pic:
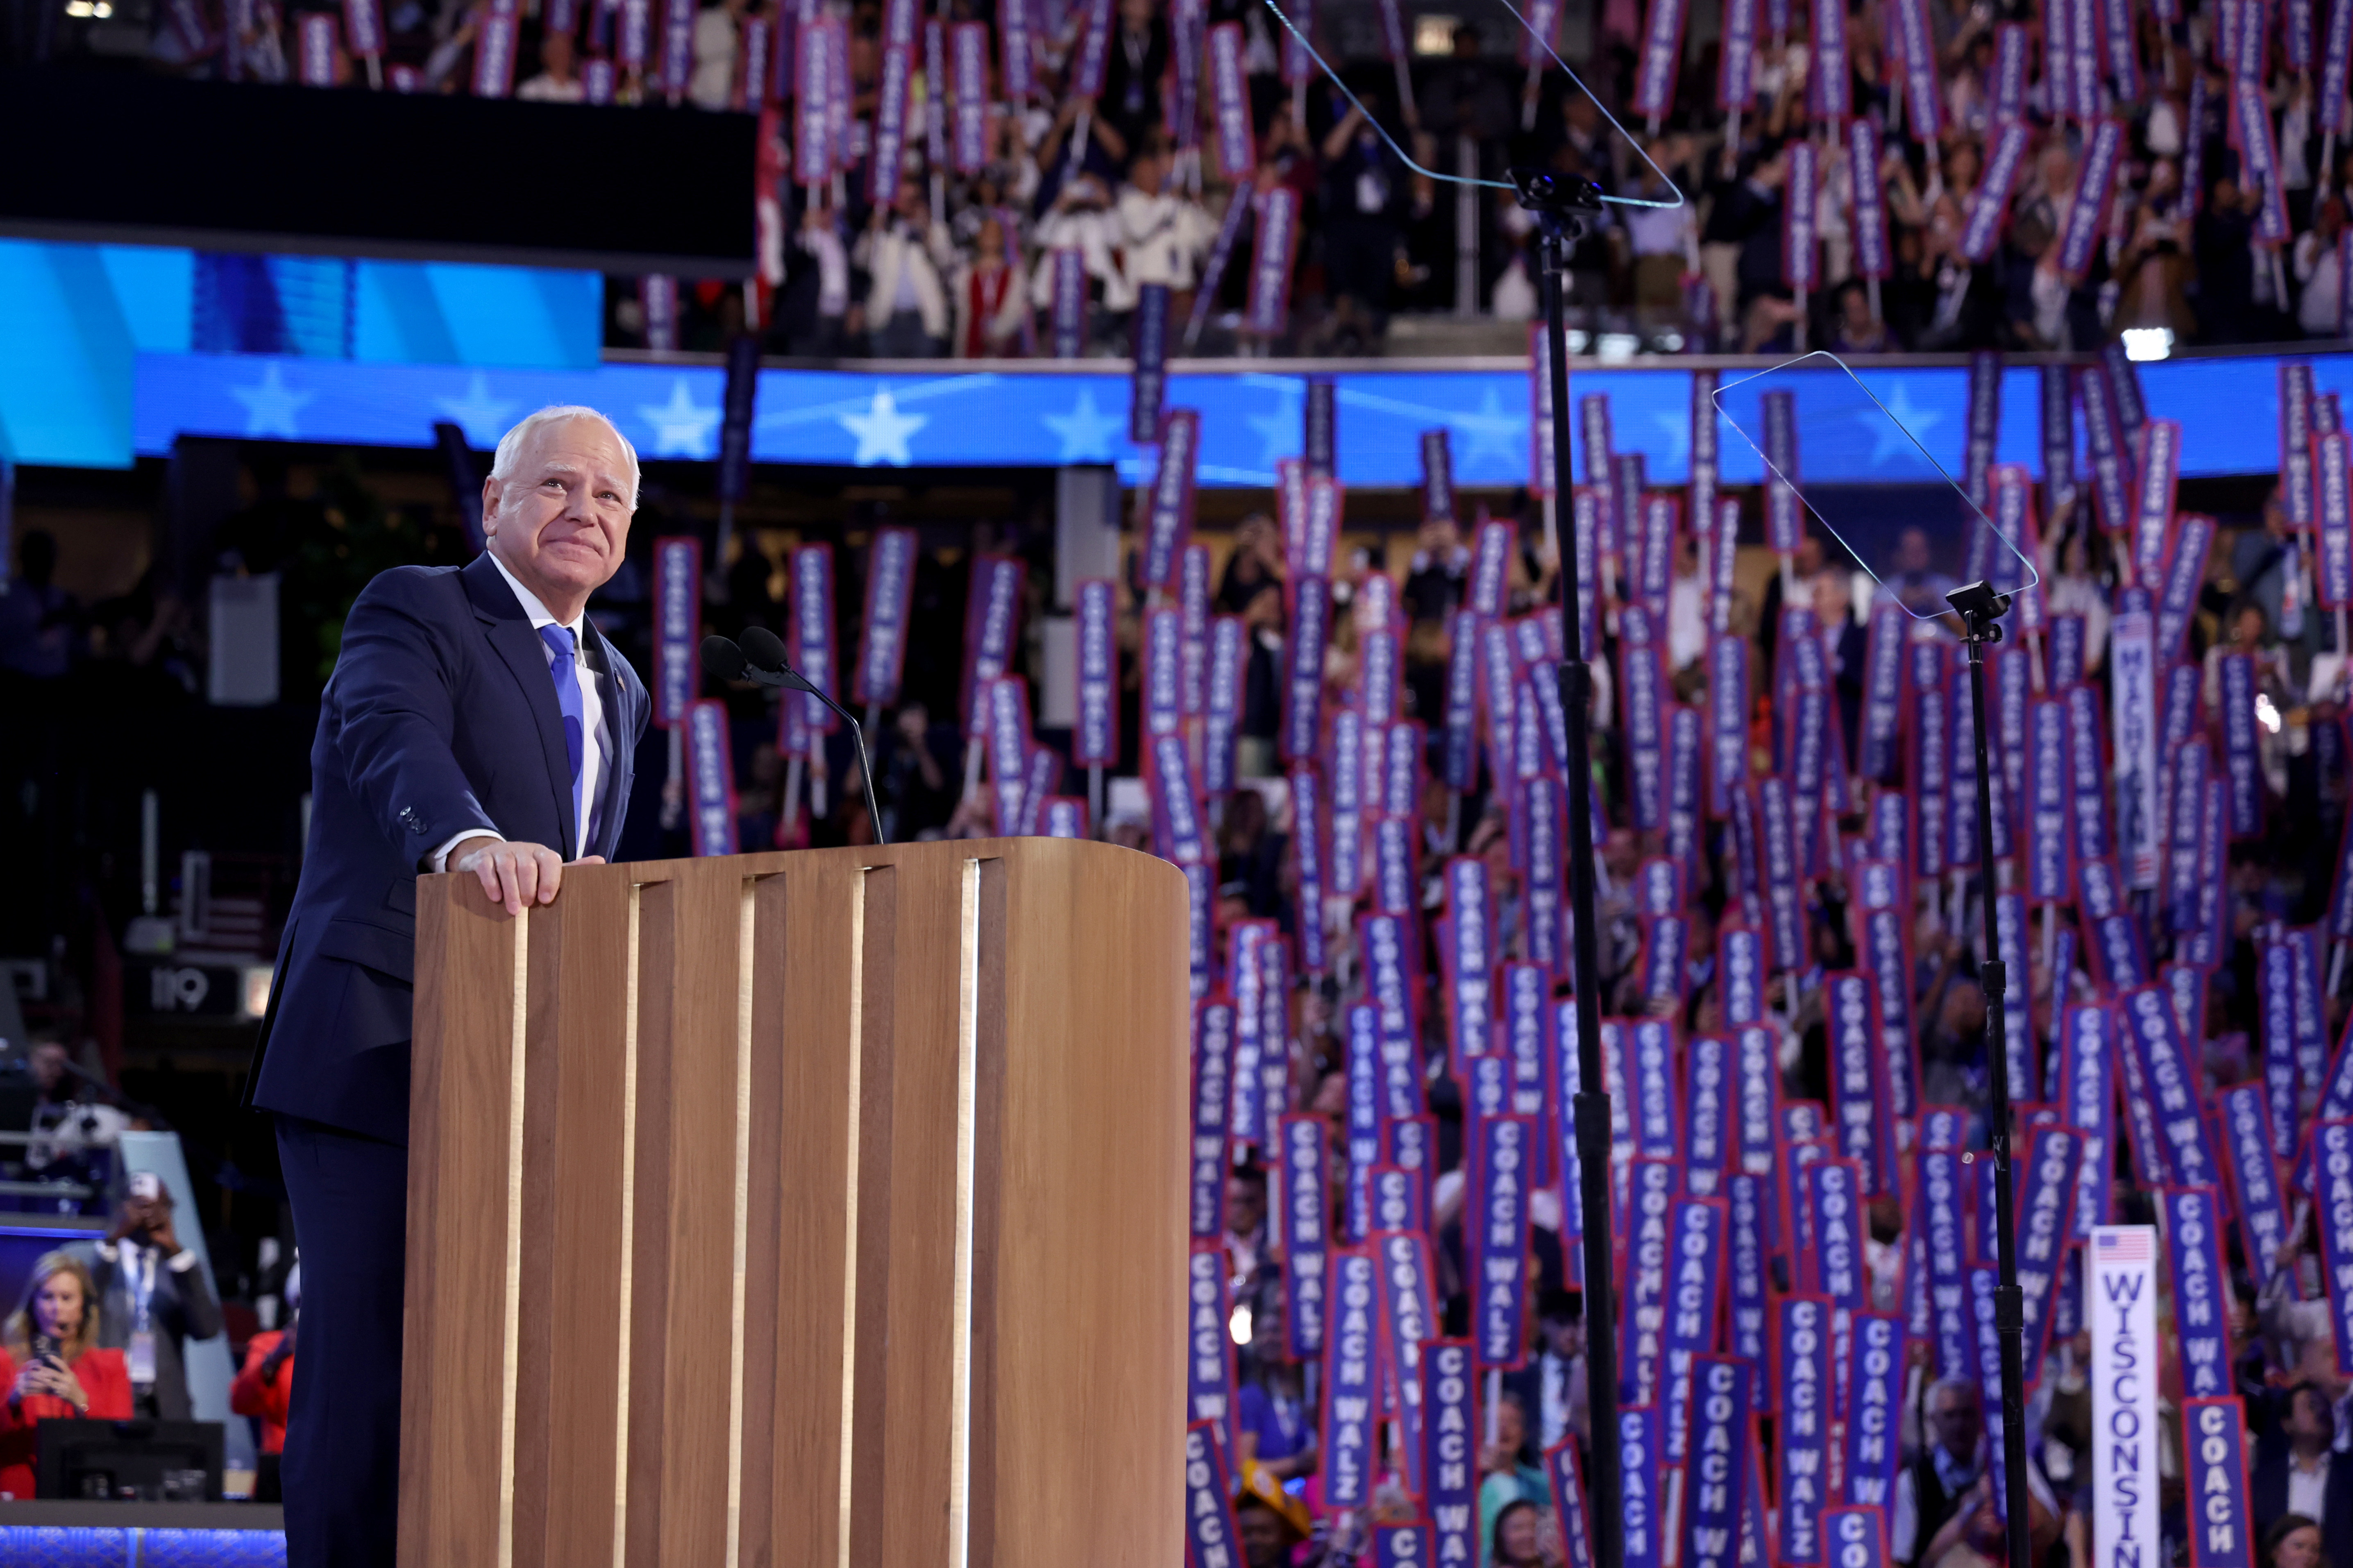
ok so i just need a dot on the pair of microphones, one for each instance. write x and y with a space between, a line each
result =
758 656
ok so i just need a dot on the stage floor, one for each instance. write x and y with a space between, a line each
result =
77 1534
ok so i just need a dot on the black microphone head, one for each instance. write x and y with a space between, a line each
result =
762 648
722 658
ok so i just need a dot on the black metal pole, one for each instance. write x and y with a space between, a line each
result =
1980 610
1592 1104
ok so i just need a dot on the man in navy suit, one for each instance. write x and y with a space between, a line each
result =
475 722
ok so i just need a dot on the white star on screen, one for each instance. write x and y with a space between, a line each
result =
271 406
682 429
1676 429
481 416
1491 433
882 431
1888 425
1279 433
1086 431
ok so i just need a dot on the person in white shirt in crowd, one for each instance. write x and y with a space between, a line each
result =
1665 239
557 81
1162 231
712 85
2319 271
1081 219
907 258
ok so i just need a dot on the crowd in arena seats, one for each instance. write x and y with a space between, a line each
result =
2252 635
1114 152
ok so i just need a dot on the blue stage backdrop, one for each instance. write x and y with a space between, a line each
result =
1249 419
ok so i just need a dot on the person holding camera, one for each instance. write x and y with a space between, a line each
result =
154 1298
53 1366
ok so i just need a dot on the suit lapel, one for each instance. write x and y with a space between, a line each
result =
518 648
620 721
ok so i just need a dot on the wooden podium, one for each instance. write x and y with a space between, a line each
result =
822 1208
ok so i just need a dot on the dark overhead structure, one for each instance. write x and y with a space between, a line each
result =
131 159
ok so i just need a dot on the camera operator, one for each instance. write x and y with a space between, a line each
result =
154 1298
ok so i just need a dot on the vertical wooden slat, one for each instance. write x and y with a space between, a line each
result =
764 1217
453 1339
649 1307
701 1110
865 1497
807 1065
917 1400
988 1205
569 1397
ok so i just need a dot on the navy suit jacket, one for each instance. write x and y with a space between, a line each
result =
441 716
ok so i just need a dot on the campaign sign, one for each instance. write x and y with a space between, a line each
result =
2221 1502
1940 1220
2046 1216
1213 1042
1569 1501
1695 1308
1209 1348
1648 1238
2122 1288
678 628
1452 1467
2087 1103
1802 1409
2172 1087
1209 1534
1307 1231
1749 1206
1708 1081
1715 1487
2332 1205
710 778
2193 1222
1866 1128
1642 1517
1833 1191
2243 1117
1348 1468
1872 1421
1409 1319
1505 1147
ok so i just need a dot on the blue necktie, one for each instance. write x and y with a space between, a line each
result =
567 671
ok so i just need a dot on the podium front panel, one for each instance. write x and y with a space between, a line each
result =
815 1208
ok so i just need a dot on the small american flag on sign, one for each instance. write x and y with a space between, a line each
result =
2121 1245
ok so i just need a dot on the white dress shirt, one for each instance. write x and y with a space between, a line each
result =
2308 1490
596 758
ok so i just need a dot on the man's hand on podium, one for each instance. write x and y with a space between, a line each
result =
515 874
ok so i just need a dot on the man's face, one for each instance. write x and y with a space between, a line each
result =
1261 1536
49 1065
1958 1423
561 520
2309 1416
1245 1206
1912 551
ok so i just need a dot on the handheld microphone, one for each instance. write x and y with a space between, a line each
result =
759 658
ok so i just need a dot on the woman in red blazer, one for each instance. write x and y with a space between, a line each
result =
53 1368
265 1391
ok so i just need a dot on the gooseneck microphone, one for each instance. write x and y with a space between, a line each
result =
760 659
